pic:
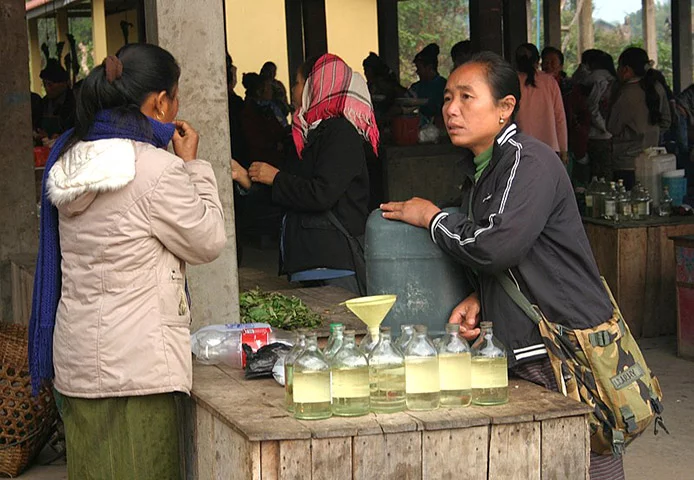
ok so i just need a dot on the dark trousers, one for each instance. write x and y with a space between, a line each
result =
600 158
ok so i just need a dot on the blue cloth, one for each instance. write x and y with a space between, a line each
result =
432 91
47 278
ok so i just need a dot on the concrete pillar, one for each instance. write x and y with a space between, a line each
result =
194 33
650 38
551 11
388 35
295 37
515 27
18 228
586 36
99 31
486 25
681 44
34 55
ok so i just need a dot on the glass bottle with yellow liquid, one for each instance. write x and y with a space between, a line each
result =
386 375
489 369
350 379
406 334
335 341
422 387
455 369
311 386
289 369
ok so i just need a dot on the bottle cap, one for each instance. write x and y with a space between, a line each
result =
484 325
350 332
452 328
385 329
421 328
334 326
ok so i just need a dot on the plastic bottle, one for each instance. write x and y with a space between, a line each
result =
386 376
350 379
335 340
422 388
489 369
289 369
311 383
455 369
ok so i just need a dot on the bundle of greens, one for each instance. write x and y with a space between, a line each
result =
280 311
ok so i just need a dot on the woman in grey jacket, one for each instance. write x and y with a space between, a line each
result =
520 220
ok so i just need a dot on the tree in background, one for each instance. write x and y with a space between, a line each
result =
81 29
445 22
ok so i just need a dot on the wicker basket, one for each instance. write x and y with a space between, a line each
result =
26 422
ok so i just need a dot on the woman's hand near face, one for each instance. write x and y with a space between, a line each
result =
416 211
240 175
261 172
185 141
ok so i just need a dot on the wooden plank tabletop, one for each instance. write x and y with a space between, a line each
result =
255 409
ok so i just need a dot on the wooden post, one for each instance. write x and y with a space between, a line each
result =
650 39
486 25
62 29
681 44
34 55
551 10
99 30
295 36
315 30
586 37
388 37
515 27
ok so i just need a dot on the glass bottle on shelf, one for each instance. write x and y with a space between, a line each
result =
665 207
610 211
422 387
601 190
590 197
335 340
311 383
455 369
350 379
289 369
623 202
489 369
386 375
406 334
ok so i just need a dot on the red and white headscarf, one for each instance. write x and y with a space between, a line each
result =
334 90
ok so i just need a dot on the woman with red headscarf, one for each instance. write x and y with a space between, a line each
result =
325 190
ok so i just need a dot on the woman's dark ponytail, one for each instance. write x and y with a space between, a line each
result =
146 69
637 59
527 56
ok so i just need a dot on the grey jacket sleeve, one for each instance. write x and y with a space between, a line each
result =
520 208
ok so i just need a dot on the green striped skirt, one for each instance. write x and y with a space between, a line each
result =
133 438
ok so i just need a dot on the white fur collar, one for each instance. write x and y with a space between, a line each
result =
91 167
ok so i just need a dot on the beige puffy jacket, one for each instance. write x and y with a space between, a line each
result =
131 216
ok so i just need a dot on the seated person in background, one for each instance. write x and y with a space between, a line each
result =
461 52
263 132
430 84
279 92
58 106
383 85
236 105
325 190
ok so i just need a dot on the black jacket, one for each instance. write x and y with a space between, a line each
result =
332 175
527 225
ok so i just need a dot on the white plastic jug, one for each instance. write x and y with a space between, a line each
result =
650 165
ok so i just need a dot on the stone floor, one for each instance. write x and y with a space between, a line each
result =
649 457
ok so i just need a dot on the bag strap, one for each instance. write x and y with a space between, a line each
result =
519 299
359 267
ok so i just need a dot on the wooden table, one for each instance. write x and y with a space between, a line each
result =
637 260
242 431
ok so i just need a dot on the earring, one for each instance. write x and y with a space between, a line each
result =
501 121
160 115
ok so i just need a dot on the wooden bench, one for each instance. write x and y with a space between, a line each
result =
241 430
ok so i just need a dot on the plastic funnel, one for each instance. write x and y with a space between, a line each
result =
371 310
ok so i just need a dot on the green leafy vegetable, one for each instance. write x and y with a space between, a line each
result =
280 311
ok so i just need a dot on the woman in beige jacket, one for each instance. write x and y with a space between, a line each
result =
131 215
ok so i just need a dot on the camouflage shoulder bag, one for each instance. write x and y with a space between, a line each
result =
602 367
